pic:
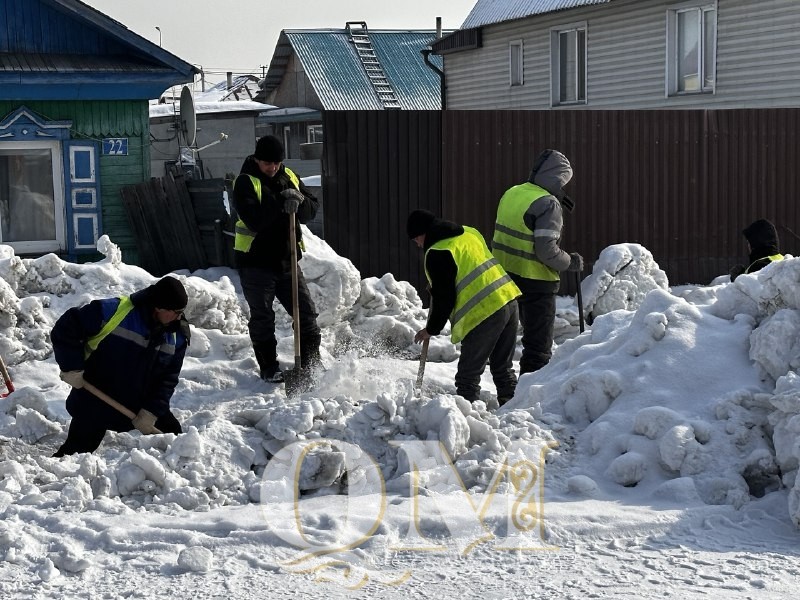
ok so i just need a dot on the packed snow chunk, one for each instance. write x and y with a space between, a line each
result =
333 280
653 421
76 493
775 343
66 556
287 423
196 558
187 445
678 448
681 490
129 478
321 468
9 306
153 469
440 419
188 498
47 571
11 469
32 425
582 485
628 469
589 394
29 398
621 277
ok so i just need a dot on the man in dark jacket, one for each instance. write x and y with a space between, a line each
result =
131 348
470 288
762 240
526 242
266 196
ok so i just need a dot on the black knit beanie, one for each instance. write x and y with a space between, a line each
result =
269 149
168 293
419 222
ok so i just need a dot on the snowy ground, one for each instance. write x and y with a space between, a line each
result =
654 457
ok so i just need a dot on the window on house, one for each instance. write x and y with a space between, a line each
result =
691 49
515 63
30 215
568 58
314 133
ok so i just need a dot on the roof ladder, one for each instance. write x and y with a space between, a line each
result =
359 36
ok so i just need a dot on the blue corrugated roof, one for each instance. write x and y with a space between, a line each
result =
487 12
333 68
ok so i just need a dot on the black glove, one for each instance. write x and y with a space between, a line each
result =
575 262
292 199
736 271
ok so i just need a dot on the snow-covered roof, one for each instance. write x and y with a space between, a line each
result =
487 12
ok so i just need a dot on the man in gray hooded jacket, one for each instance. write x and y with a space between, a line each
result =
526 242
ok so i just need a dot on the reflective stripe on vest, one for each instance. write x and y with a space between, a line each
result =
244 237
125 306
772 258
513 243
482 285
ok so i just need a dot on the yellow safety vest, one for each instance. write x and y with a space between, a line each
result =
512 244
244 237
482 285
125 306
772 258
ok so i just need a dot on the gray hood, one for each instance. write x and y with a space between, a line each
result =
552 172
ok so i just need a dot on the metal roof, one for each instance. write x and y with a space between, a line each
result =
335 71
488 12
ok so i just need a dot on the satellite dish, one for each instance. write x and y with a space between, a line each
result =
187 123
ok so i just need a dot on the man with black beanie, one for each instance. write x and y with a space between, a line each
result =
132 349
763 243
266 196
470 288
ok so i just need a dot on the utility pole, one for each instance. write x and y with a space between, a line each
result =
159 36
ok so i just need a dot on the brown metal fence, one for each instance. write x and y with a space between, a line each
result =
681 183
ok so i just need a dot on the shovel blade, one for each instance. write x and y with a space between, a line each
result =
297 381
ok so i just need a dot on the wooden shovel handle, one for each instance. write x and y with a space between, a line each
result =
111 402
6 378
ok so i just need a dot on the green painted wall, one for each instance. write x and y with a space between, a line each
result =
97 120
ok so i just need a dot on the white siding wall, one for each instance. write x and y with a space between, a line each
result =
758 59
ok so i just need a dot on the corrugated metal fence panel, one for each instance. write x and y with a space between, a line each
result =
681 183
377 167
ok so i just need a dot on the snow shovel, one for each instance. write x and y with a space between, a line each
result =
580 301
293 378
112 403
6 379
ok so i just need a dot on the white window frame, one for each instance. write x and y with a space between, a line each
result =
672 70
516 63
57 160
555 65
311 133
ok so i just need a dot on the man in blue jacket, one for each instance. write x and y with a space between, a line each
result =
131 348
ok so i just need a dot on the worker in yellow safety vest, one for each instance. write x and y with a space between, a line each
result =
470 288
527 238
266 196
763 243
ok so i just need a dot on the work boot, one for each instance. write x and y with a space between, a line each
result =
272 374
267 358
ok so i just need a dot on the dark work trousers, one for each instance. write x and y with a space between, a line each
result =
261 287
495 340
85 435
537 313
